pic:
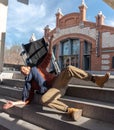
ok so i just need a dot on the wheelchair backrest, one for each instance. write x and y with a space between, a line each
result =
35 51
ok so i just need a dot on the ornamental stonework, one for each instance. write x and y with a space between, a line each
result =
105 61
105 56
104 67
86 31
107 40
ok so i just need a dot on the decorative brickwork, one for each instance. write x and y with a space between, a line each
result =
107 40
76 30
96 39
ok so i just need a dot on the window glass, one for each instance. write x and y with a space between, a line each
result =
66 48
75 61
66 60
75 47
60 49
87 48
69 53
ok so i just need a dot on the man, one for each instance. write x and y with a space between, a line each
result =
57 84
34 80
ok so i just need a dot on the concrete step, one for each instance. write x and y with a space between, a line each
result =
19 82
51 119
109 84
86 92
91 92
96 109
14 92
13 82
11 122
91 108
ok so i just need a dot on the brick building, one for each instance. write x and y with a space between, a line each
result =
85 44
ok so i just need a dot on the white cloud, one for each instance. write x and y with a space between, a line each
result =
22 15
23 20
110 22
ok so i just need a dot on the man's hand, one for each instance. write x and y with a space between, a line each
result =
25 70
8 105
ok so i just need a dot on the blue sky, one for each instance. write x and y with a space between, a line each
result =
23 20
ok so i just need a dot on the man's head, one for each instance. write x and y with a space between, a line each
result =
25 70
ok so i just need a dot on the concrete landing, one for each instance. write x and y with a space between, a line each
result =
11 122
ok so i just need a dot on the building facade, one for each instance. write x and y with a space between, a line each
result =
3 19
84 44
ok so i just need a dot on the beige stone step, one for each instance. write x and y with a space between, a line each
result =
11 122
103 109
51 119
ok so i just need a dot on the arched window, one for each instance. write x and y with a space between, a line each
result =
69 55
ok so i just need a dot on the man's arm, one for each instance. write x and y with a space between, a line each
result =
10 104
49 41
26 71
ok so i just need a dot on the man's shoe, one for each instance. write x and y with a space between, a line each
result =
75 113
101 80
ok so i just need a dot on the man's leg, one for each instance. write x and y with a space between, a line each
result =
81 74
72 71
69 72
101 80
50 98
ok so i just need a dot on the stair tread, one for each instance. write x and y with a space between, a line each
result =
74 99
35 111
70 85
89 101
10 122
11 87
90 87
92 108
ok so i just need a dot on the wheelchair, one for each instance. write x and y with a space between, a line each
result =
34 52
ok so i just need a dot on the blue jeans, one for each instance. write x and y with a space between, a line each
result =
35 75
